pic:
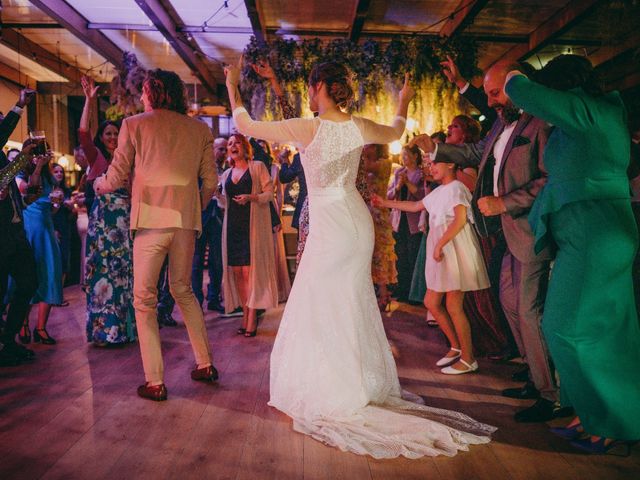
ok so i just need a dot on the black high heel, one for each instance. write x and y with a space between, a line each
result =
45 339
25 334
241 331
249 334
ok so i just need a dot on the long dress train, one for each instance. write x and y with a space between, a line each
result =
332 370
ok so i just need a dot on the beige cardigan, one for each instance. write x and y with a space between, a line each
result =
263 286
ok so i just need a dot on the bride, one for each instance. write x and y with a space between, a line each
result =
332 370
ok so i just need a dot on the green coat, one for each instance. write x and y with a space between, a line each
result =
590 321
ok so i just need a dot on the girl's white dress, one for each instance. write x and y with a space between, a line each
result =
332 370
462 267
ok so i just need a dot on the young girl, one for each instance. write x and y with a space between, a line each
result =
454 262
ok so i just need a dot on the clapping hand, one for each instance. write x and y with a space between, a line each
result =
89 87
424 143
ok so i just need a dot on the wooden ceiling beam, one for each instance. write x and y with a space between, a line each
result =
33 51
69 18
14 76
630 81
463 16
360 12
257 21
188 50
552 28
609 52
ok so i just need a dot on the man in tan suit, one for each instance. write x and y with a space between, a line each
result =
164 152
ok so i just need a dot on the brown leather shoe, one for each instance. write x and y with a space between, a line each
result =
157 393
206 374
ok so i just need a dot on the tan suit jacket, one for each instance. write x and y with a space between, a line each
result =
164 153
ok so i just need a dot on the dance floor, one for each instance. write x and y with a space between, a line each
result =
74 414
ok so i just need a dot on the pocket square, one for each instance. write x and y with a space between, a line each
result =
520 140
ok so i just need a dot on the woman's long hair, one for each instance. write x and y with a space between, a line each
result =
97 140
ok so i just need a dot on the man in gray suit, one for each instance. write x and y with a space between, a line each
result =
511 173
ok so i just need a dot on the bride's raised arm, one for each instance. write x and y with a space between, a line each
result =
296 130
373 132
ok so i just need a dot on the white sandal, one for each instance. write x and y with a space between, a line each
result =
454 371
449 360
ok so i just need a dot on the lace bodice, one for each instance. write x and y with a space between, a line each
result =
332 158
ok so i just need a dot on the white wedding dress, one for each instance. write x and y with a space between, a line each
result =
332 370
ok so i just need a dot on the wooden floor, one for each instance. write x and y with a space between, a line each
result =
74 414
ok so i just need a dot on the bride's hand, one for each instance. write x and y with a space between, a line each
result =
407 93
232 73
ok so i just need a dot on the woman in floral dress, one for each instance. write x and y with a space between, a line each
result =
108 262
377 166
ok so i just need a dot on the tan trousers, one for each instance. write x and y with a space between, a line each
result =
150 247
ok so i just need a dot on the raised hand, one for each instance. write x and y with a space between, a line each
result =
407 93
424 143
263 69
232 73
26 95
450 70
89 87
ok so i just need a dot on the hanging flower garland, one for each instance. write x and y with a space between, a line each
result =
378 71
126 89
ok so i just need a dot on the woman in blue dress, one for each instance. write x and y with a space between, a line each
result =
38 226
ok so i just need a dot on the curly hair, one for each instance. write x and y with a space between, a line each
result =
165 89
337 79
470 127
566 72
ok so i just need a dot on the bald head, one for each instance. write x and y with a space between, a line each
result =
494 88
220 150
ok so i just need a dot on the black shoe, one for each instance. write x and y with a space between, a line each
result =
8 360
19 351
166 320
235 313
502 356
522 375
526 392
215 307
41 335
542 411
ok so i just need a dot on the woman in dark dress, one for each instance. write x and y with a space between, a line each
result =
249 269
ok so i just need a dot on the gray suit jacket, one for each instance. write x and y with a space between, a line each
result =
521 177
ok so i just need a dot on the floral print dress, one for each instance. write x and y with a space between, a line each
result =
109 271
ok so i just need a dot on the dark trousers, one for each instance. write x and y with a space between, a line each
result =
407 247
165 299
211 237
16 260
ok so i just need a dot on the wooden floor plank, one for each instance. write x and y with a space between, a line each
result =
73 414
